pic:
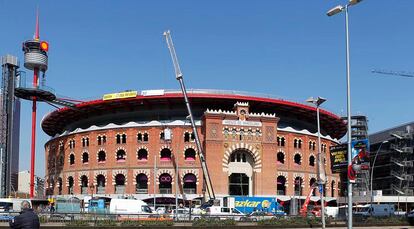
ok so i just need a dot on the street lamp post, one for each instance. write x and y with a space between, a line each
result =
332 12
372 171
321 165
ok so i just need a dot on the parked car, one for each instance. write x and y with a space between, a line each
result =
260 215
183 214
221 213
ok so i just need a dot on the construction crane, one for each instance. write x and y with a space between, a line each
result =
179 77
396 73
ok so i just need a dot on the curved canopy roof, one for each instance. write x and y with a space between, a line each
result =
58 121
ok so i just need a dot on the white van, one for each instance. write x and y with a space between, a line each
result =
377 210
217 212
128 206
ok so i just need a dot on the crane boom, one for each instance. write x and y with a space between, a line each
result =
179 77
396 73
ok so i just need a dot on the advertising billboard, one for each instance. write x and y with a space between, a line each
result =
360 151
249 204
339 158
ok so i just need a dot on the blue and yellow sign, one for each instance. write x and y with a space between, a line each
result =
249 204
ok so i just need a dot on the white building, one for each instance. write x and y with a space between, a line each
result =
24 184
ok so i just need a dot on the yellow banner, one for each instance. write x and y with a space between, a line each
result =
120 95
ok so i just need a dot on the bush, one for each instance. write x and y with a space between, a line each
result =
131 223
78 223
105 223
214 223
292 221
384 221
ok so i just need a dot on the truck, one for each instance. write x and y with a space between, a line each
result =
128 206
376 210
248 204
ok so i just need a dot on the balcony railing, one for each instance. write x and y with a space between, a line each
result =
165 191
190 191
84 190
119 189
100 190
141 190
298 193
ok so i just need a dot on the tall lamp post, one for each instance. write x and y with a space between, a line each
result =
321 165
331 12
372 171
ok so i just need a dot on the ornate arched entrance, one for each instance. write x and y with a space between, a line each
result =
240 170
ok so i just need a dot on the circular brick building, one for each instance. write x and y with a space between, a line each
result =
143 145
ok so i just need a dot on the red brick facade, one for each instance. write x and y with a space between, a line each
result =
221 133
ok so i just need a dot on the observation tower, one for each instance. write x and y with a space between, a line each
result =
35 59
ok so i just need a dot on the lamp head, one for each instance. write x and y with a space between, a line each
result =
320 100
310 100
354 2
335 10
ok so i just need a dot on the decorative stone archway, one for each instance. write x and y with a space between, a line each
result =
121 171
141 171
193 171
246 147
99 172
162 171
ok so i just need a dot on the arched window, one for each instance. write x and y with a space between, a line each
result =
298 159
281 185
282 141
101 182
101 156
295 143
72 159
312 160
70 185
142 184
120 155
146 137
298 186
165 154
299 143
120 184
280 158
186 137
71 144
84 184
85 158
139 137
310 145
142 155
123 140
118 139
333 189
278 141
85 141
190 184
165 181
190 154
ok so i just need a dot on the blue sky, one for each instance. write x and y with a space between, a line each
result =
290 49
